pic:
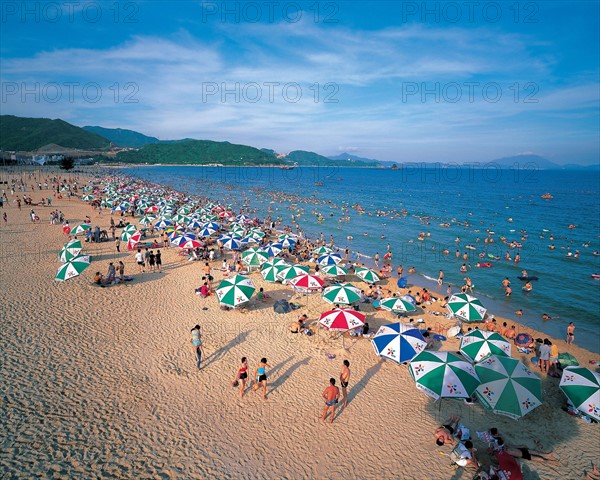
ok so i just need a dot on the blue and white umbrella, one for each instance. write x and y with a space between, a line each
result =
163 223
329 259
232 243
288 243
206 231
398 342
273 249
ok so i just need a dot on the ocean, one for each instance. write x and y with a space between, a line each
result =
452 207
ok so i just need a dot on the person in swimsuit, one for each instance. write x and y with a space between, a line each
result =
241 376
197 345
344 379
331 395
444 434
260 375
570 333
521 451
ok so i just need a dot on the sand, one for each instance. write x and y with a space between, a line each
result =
101 382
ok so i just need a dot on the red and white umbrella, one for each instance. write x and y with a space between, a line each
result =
151 209
306 282
342 319
190 244
133 240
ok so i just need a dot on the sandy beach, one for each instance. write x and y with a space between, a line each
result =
102 382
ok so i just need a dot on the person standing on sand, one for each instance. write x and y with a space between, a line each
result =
331 395
570 333
158 260
197 345
260 377
118 245
139 258
5 218
344 379
241 376
121 271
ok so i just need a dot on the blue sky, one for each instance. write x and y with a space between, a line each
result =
400 81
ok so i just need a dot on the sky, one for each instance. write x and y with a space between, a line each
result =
390 80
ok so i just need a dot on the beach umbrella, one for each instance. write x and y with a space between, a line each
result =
273 249
507 386
232 243
367 274
443 375
282 306
287 272
398 342
269 270
341 293
128 231
151 209
329 259
523 339
81 228
133 240
582 387
73 268
334 270
323 250
287 242
466 307
206 231
87 198
212 225
254 257
235 291
70 250
178 238
189 243
342 319
147 219
397 305
256 233
163 223
248 240
478 344
286 236
194 224
305 282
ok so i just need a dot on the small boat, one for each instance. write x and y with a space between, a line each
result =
528 278
595 275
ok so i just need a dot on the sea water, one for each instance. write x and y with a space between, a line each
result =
400 204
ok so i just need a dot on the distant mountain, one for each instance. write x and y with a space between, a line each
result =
198 152
29 134
123 137
353 158
304 158
527 160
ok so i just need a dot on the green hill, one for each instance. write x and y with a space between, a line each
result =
123 137
198 152
27 134
303 158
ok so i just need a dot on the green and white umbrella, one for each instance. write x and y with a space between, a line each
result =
334 270
341 293
147 219
507 386
582 387
82 228
235 291
70 250
269 269
397 305
478 344
466 307
322 250
367 274
287 272
443 375
254 257
73 268
87 198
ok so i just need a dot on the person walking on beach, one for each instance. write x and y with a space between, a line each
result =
118 244
241 376
158 260
5 218
197 345
139 258
570 333
344 379
331 395
260 377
